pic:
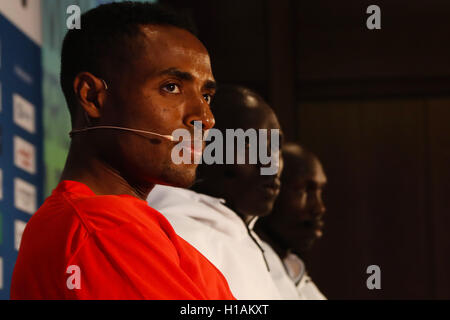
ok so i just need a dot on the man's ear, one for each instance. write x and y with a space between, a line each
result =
90 92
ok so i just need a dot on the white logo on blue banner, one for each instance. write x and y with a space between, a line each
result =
25 196
24 155
19 226
24 113
21 118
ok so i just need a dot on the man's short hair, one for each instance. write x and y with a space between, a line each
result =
230 105
107 32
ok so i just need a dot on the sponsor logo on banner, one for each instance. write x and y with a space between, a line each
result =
25 196
1 273
23 113
24 155
19 226
1 185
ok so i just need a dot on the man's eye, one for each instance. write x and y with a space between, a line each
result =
208 98
172 88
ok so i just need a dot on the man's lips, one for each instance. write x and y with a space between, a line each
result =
194 147
313 227
313 224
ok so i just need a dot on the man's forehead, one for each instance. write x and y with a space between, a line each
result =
319 174
174 48
169 36
307 172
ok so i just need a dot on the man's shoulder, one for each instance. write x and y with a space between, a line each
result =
68 218
56 215
99 213
187 207
172 197
65 222
57 239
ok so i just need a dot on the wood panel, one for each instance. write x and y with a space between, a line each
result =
439 210
338 56
374 155
334 42
282 73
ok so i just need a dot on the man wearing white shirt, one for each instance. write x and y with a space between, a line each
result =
218 217
297 218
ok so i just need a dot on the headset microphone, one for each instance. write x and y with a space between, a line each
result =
168 137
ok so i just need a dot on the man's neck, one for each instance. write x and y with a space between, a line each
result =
210 189
247 219
100 177
215 189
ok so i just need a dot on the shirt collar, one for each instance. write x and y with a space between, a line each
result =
206 198
73 187
252 222
221 201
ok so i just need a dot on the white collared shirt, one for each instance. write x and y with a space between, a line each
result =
253 270
221 236
296 270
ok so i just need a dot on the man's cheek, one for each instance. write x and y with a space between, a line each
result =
243 172
297 205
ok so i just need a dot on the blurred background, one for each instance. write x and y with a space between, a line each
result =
374 105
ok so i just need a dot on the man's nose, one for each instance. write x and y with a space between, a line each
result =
319 208
199 110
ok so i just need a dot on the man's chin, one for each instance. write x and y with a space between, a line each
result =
259 212
180 179
306 246
265 209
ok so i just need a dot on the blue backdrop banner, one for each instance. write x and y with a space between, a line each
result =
21 166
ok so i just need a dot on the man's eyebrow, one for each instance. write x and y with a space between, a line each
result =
177 73
317 184
183 75
210 85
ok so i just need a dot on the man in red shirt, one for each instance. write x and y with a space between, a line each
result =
132 66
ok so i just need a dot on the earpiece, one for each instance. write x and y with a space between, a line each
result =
104 84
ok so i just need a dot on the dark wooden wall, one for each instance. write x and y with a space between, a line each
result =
375 107
382 159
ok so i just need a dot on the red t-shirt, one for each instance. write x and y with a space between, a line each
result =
82 246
